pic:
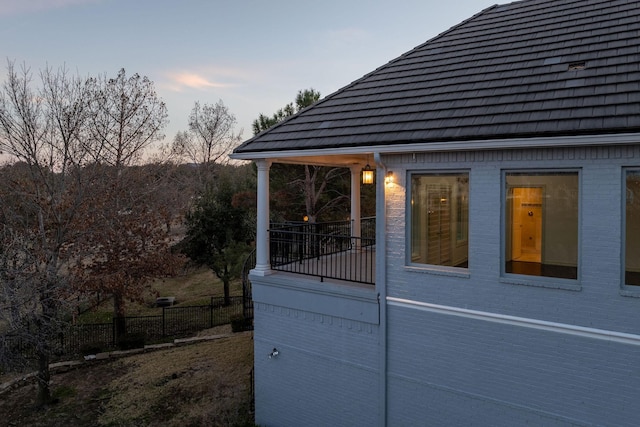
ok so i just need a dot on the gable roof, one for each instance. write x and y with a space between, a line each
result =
533 68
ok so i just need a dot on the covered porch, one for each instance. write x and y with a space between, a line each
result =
339 250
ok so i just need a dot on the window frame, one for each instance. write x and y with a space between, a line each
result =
539 280
632 290
409 218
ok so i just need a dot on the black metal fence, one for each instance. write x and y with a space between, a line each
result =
173 322
326 250
249 263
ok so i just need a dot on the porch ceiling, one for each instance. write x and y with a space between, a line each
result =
342 160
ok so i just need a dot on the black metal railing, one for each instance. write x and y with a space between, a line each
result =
247 299
176 321
325 250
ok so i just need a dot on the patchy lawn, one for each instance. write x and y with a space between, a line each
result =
194 286
202 384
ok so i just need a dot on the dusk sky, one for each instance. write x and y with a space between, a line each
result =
253 55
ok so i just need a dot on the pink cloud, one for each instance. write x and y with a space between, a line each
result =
195 81
190 80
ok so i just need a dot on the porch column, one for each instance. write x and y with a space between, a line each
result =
355 201
263 264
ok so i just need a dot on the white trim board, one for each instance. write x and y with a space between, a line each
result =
562 328
419 147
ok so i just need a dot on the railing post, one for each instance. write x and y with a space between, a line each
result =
211 313
164 322
300 237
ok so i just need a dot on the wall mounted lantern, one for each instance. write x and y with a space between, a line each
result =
388 179
367 175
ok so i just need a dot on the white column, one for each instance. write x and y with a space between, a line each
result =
263 264
355 202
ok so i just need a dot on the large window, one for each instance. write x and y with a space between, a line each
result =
541 224
632 229
440 219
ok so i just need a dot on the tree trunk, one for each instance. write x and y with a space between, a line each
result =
43 376
45 332
227 298
118 314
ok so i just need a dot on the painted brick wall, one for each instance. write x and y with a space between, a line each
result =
445 369
449 370
326 372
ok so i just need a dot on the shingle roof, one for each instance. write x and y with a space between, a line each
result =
526 69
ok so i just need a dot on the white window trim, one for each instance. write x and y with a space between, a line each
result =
441 270
530 280
625 290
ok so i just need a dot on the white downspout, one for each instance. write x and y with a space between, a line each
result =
381 281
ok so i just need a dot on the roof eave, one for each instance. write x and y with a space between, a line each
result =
466 145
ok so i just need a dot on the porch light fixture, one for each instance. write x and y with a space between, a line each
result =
388 179
367 175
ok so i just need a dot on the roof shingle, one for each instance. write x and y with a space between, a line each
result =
525 69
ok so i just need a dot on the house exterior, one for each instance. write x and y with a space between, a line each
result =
506 278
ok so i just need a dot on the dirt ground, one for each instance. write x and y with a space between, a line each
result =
203 384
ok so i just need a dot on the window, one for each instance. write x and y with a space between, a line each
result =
632 229
440 219
541 224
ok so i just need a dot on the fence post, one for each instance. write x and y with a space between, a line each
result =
164 319
211 313
113 331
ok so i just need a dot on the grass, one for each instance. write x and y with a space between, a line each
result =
63 392
202 384
195 286
173 387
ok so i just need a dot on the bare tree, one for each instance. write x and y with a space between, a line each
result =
127 238
127 117
40 199
210 138
73 209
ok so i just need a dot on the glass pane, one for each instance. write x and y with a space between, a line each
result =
440 219
541 224
632 229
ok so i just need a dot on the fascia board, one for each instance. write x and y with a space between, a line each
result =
484 144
